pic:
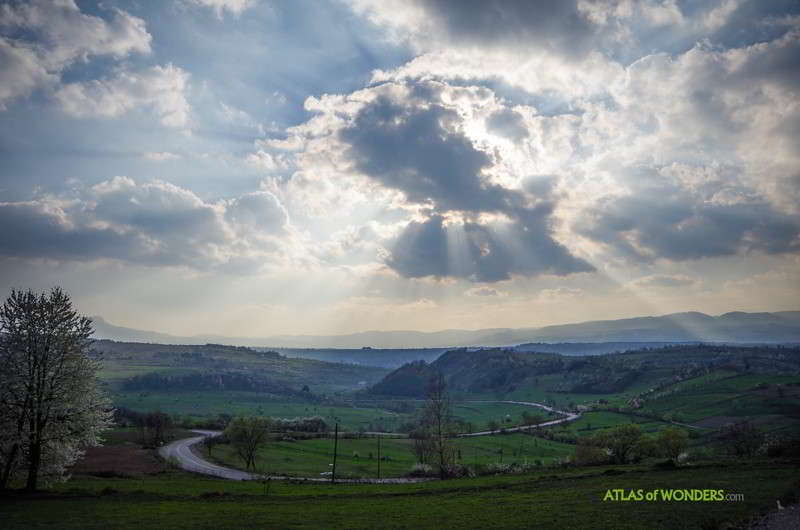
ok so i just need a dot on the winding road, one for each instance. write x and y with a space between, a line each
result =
181 452
569 416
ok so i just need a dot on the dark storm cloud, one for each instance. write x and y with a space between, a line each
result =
416 146
678 227
552 24
481 252
420 151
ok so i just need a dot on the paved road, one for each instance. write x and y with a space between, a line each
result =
181 451
569 416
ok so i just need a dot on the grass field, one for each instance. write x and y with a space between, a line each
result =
551 498
591 422
744 396
358 457
505 414
212 403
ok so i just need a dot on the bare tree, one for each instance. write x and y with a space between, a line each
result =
437 424
156 424
422 447
51 406
247 436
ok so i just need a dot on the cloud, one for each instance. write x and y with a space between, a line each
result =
552 25
235 7
481 252
258 212
160 88
412 138
160 156
20 71
484 292
666 193
560 293
678 156
154 223
663 281
671 222
40 39
507 123
420 151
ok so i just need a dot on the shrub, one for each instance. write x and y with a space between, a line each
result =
589 453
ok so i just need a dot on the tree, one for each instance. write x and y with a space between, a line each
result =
621 441
210 441
437 424
530 419
247 436
741 439
51 405
156 423
588 452
672 441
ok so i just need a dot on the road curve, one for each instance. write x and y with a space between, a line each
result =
569 416
181 452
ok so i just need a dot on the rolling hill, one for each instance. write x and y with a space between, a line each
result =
778 327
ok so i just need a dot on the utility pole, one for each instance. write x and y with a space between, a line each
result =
335 450
379 457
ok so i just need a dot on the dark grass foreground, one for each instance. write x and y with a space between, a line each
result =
570 498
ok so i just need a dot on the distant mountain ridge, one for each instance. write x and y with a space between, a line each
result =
737 326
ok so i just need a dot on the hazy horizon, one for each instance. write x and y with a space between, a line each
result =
254 168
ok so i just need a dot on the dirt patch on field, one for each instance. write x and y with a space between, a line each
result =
118 460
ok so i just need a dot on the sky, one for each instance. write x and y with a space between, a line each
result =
266 167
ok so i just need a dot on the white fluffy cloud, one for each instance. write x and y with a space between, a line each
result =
154 223
235 7
20 71
160 156
160 88
55 35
